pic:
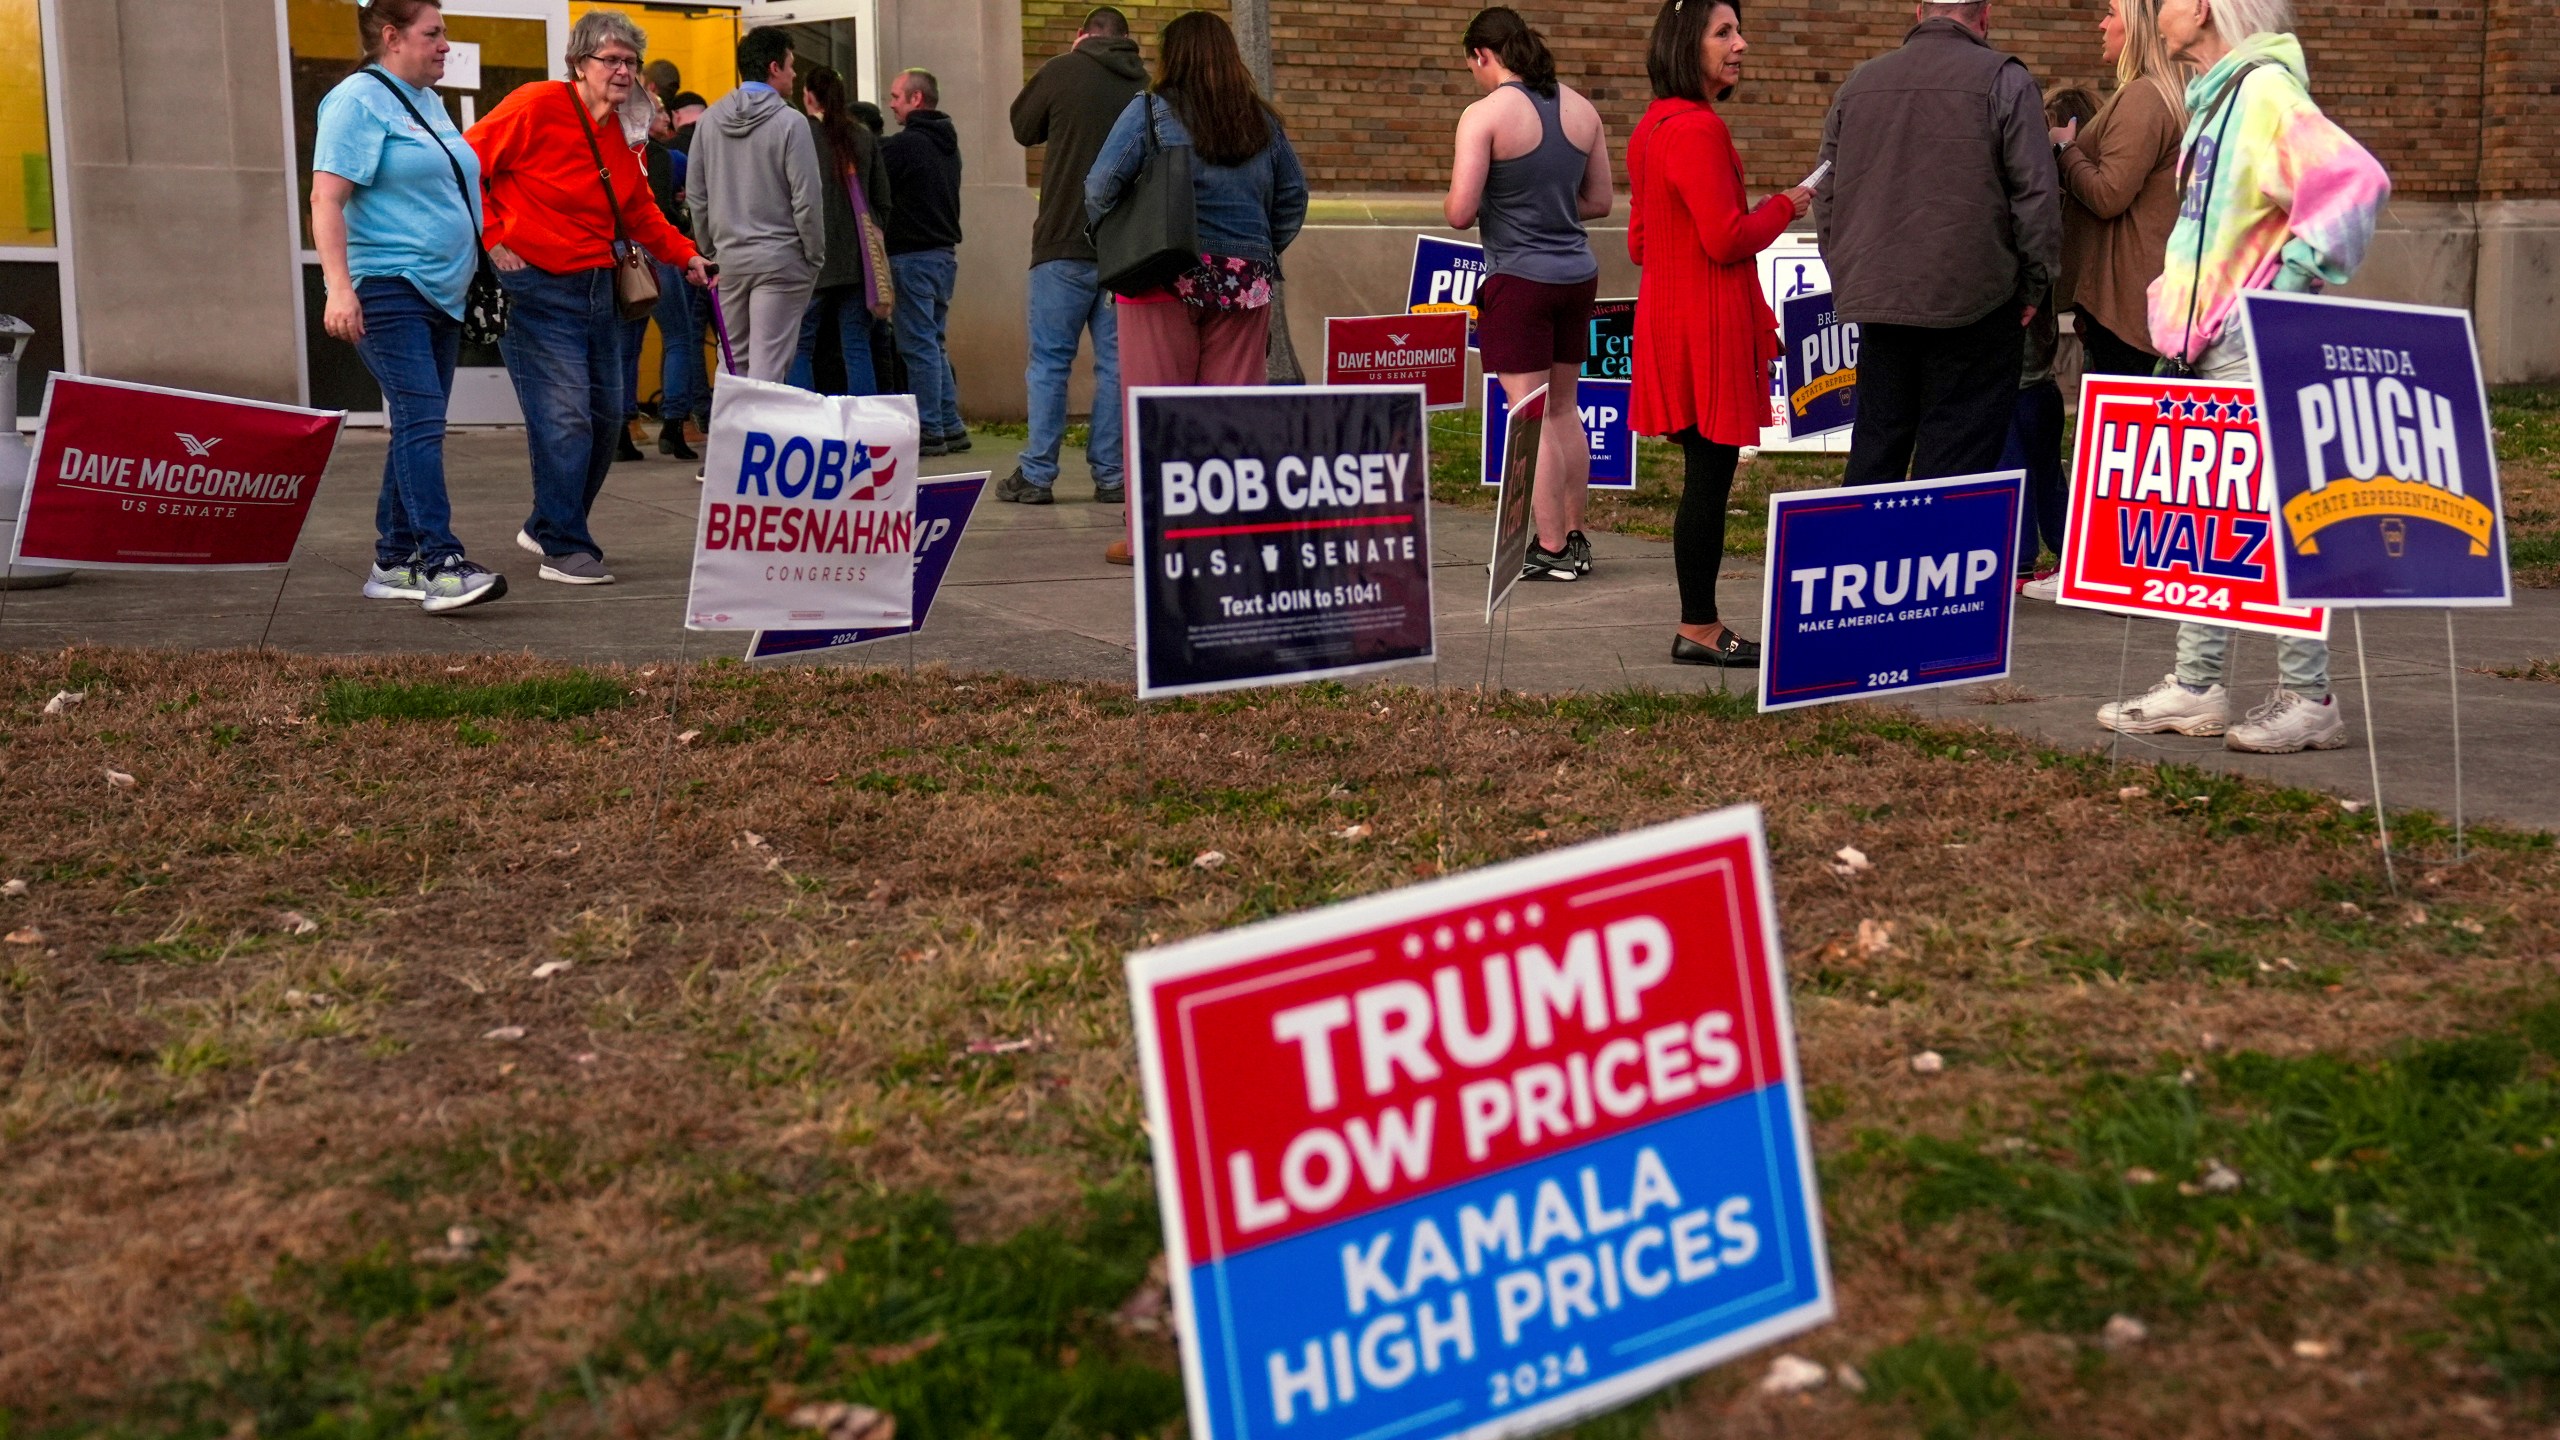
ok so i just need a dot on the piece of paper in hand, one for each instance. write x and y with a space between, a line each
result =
1816 178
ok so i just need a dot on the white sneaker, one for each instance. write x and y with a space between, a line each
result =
395 582
2168 706
526 543
2285 722
2048 588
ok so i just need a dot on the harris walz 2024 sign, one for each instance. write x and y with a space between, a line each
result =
1284 533
2377 431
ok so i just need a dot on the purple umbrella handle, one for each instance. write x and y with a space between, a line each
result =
720 326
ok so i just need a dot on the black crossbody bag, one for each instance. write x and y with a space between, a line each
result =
484 308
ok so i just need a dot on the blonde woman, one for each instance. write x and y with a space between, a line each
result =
2120 191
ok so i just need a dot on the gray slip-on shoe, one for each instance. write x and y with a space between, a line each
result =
576 568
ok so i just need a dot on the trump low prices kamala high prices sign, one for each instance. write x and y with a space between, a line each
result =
1283 533
2173 513
943 507
2377 431
137 477
1876 589
1484 1155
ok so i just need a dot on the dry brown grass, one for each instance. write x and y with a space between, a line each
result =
785 934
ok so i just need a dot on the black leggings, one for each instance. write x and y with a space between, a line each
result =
2103 352
1697 535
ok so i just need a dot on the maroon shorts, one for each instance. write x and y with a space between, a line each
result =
1529 325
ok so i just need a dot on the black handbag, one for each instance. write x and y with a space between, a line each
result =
485 307
1151 233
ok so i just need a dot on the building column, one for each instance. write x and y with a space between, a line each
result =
182 235
974 49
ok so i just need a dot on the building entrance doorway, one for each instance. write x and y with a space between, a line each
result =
843 35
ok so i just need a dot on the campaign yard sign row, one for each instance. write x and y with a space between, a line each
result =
141 477
2379 446
1480 1156
1283 533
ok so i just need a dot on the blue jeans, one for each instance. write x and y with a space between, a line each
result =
1066 301
925 279
683 388
563 350
2035 446
853 337
411 346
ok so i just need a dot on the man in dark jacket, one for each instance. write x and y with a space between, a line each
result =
1069 107
1942 227
924 237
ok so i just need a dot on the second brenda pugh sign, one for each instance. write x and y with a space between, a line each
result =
1486 1155
2172 509
1283 533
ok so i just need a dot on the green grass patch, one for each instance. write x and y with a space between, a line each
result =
2440 1154
1948 1386
548 697
2527 421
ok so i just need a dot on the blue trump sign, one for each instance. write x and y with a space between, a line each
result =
1821 361
943 507
2376 427
1445 276
1603 404
1878 589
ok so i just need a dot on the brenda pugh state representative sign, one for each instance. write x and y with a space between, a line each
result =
808 516
1876 589
2377 431
1283 533
137 477
1445 276
1485 1155
1821 360
2172 510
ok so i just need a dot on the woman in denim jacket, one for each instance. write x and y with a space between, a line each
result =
1210 324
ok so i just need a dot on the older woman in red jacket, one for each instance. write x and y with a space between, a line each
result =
1704 334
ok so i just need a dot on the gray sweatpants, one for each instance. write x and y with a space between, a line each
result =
764 314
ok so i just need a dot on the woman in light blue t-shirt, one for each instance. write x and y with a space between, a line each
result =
394 187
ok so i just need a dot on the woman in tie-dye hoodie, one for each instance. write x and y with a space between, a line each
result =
2273 197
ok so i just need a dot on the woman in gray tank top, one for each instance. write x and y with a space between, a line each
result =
1532 166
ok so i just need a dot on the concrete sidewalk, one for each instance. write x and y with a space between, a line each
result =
1029 593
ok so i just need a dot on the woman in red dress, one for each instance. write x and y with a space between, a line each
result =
1704 334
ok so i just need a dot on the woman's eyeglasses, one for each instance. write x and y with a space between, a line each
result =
617 62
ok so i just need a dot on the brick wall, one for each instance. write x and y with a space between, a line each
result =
1049 28
1370 91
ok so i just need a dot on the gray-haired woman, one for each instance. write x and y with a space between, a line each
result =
551 226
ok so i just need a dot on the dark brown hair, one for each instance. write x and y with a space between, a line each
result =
1674 59
373 18
844 133
1521 50
1203 78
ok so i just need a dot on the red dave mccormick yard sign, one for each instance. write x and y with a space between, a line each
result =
2172 510
1482 1156
135 477
808 514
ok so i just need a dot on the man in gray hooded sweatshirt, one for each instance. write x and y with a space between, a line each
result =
758 213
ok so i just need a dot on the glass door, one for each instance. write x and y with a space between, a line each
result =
498 45
843 35
35 255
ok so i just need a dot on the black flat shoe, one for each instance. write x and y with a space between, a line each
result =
626 450
1730 652
671 442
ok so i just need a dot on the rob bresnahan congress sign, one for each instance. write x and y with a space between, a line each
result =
808 516
2377 430
136 477
1484 1155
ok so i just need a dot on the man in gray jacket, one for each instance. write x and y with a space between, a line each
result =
758 212
1942 226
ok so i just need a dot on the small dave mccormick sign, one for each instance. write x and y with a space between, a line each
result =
1488 1154
2377 431
808 516
136 477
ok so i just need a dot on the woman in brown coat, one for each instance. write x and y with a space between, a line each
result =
2120 192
